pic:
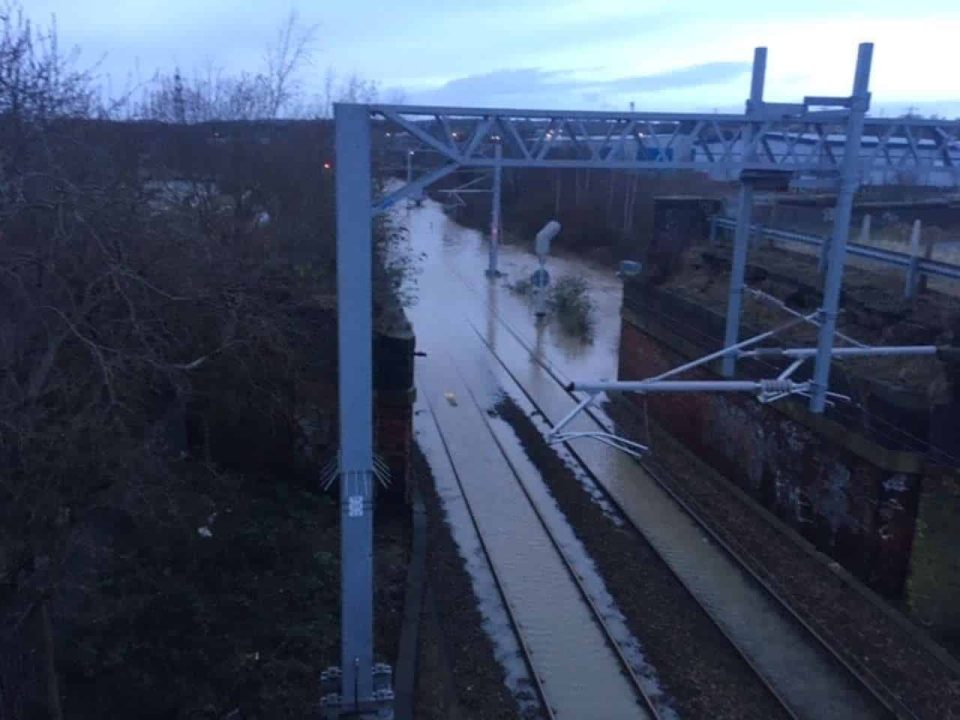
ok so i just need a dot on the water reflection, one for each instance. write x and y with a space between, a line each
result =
459 299
464 256
493 309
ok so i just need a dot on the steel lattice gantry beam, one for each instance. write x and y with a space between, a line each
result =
825 139
806 139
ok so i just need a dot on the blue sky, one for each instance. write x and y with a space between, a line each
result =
668 55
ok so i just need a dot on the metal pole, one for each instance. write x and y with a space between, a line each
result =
842 352
757 79
355 347
691 386
409 166
824 253
927 254
738 269
540 293
495 214
865 229
849 181
741 236
913 269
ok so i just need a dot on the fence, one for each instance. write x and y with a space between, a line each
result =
913 263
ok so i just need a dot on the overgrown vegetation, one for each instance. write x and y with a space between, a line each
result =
276 90
167 293
569 299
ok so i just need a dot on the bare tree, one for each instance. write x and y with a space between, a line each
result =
291 52
274 91
396 96
355 89
351 89
37 81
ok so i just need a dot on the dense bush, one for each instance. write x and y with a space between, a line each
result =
569 299
165 293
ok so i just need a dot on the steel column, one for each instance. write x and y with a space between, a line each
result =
757 80
492 271
913 269
738 269
849 181
741 239
355 338
865 229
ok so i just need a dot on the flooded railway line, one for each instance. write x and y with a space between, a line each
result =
802 675
576 659
789 658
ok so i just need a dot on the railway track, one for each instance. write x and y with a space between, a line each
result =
540 382
885 699
645 703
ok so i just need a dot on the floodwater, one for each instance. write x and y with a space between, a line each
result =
495 620
460 313
479 462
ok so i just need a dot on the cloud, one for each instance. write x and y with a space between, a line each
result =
518 81
712 73
506 86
